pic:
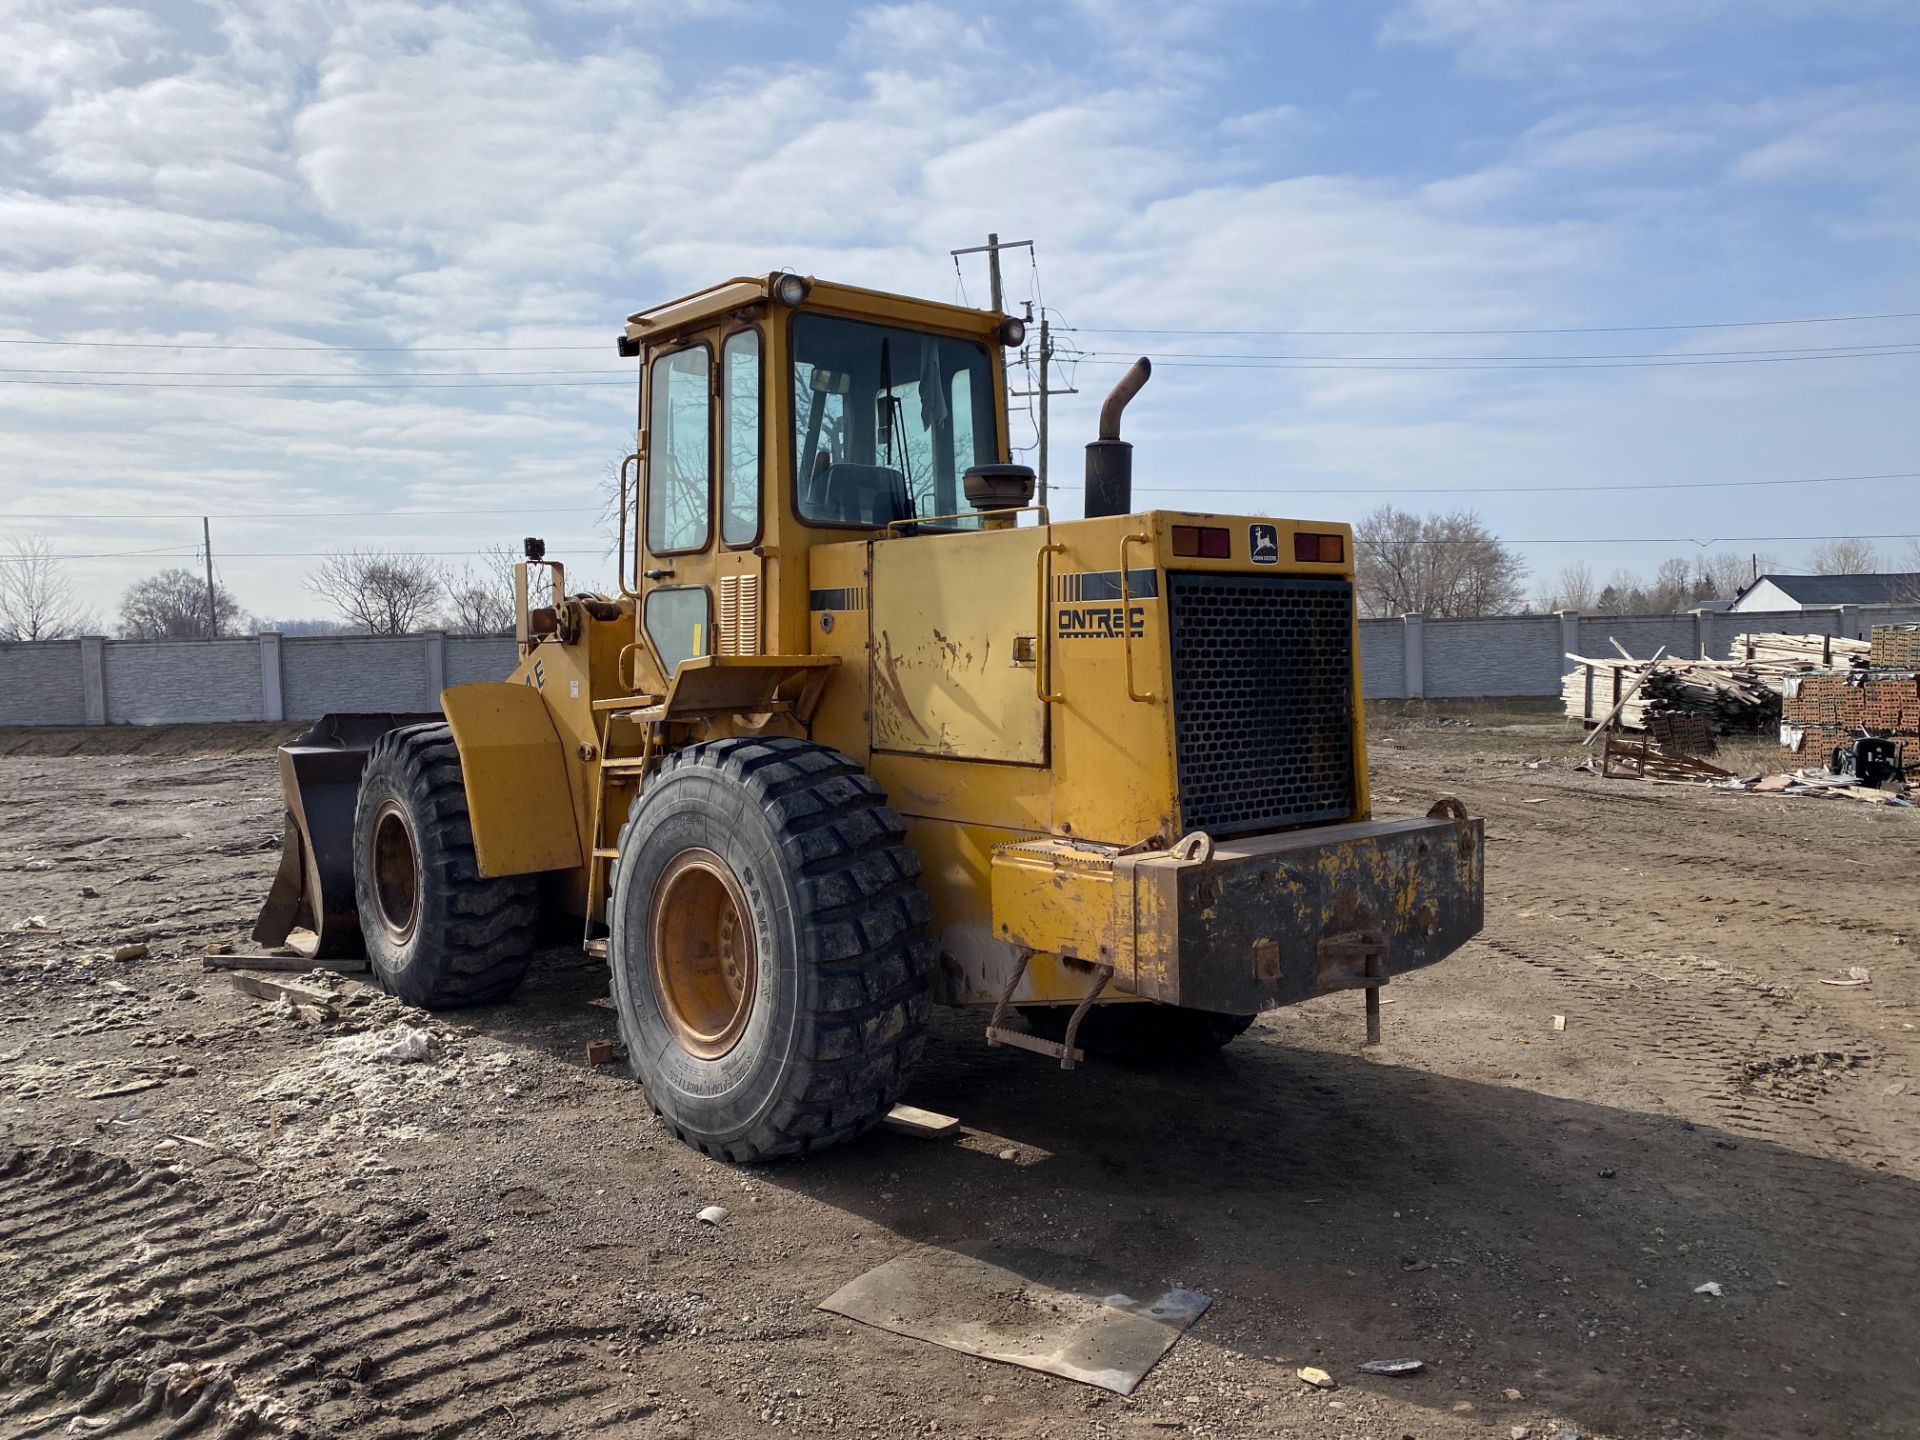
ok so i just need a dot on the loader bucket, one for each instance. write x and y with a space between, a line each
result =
320 779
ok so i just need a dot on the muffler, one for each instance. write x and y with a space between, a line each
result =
1110 459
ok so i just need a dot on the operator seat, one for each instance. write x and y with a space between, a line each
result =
874 495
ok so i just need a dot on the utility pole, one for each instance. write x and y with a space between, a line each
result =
1046 354
213 614
1041 392
992 249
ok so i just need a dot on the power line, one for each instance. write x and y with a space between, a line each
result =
185 551
299 385
1507 489
383 377
1809 350
1519 363
318 374
463 510
1649 540
311 349
1538 330
1547 540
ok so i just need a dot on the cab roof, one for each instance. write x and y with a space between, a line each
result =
741 292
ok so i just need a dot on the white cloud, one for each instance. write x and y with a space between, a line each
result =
920 30
1849 142
1616 146
1507 35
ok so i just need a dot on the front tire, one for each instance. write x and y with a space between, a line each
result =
438 934
771 968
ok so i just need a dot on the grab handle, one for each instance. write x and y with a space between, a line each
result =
1126 612
1043 638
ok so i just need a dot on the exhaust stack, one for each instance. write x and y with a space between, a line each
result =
1110 459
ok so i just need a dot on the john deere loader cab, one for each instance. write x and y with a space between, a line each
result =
864 728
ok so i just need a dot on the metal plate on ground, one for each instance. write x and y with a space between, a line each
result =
1054 1313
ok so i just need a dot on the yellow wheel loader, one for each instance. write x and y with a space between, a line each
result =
865 729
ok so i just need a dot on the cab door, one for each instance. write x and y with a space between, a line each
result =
701 531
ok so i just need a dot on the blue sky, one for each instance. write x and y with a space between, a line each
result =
439 179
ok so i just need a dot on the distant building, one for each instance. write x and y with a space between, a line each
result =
1817 592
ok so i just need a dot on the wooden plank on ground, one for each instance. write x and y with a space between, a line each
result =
926 1124
281 990
282 964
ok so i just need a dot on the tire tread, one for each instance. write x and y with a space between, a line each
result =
480 938
861 918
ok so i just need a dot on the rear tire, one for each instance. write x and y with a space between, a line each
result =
771 968
1141 1034
438 934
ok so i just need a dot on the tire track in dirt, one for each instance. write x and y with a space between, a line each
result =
1700 1043
136 1303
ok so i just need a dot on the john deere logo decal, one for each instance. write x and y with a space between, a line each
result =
1263 544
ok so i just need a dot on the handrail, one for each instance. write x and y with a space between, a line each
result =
1040 510
1126 613
1042 641
620 545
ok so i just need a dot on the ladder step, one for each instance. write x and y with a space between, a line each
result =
625 764
596 948
606 854
1020 1040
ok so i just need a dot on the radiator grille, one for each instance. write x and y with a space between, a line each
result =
1262 700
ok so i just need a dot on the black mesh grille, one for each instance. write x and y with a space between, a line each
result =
1262 700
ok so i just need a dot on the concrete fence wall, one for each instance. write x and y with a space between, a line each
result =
92 681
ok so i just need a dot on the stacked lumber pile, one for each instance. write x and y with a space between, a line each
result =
1731 697
1895 647
1766 651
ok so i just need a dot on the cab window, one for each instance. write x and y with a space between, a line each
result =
886 421
677 623
740 438
679 452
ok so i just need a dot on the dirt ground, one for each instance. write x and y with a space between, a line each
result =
216 1212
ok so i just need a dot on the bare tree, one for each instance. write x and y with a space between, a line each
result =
1843 557
381 592
172 605
480 597
1723 574
36 601
1447 566
1572 589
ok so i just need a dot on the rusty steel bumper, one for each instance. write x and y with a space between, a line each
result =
1251 924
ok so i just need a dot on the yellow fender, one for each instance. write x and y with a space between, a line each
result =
515 767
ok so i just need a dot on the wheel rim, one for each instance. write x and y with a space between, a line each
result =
396 870
704 970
